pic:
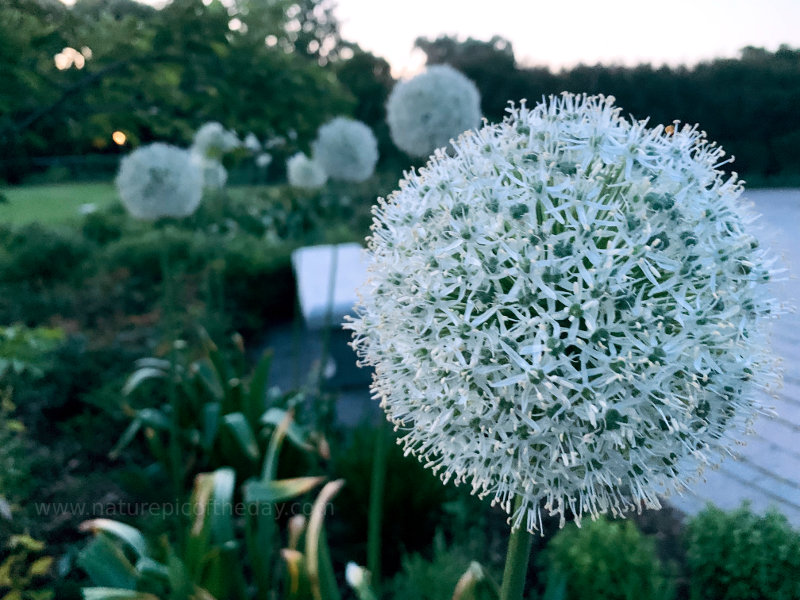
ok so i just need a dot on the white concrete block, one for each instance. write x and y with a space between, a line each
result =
312 267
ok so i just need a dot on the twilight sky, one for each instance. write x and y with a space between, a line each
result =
565 32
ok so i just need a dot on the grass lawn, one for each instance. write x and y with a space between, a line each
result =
53 203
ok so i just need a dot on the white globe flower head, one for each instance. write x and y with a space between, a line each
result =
263 160
160 180
215 175
568 312
305 172
346 149
427 111
251 143
212 141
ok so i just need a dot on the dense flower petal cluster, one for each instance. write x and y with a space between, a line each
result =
212 141
159 180
346 149
426 112
305 172
569 311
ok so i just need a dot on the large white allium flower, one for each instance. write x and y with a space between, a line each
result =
159 180
427 111
304 172
569 311
346 149
212 141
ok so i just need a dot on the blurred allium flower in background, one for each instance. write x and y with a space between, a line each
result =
263 160
251 143
215 175
346 149
212 141
304 172
569 309
159 180
426 112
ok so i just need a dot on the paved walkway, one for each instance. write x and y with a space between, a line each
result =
767 471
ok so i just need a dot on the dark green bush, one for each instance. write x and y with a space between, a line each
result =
740 555
35 254
258 283
608 560
413 505
104 226
434 579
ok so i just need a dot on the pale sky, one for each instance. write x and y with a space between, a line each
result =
560 33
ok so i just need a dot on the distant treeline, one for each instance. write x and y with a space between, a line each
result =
70 77
750 105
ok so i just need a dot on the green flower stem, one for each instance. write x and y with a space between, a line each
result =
328 323
519 552
376 493
176 468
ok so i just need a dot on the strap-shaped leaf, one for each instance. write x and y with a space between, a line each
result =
126 438
103 593
139 376
318 560
296 434
123 532
106 564
237 425
221 512
211 419
153 362
152 417
279 491
257 394
208 377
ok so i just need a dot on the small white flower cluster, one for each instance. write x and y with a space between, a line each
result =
427 111
210 143
346 149
159 180
568 311
303 172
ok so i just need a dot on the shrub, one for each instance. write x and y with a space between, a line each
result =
740 555
604 559
434 579
36 253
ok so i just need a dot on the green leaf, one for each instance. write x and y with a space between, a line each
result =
221 510
257 395
140 376
106 564
130 535
237 425
211 413
25 542
296 434
318 560
280 490
126 438
208 377
200 533
152 417
152 569
40 566
152 362
104 593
